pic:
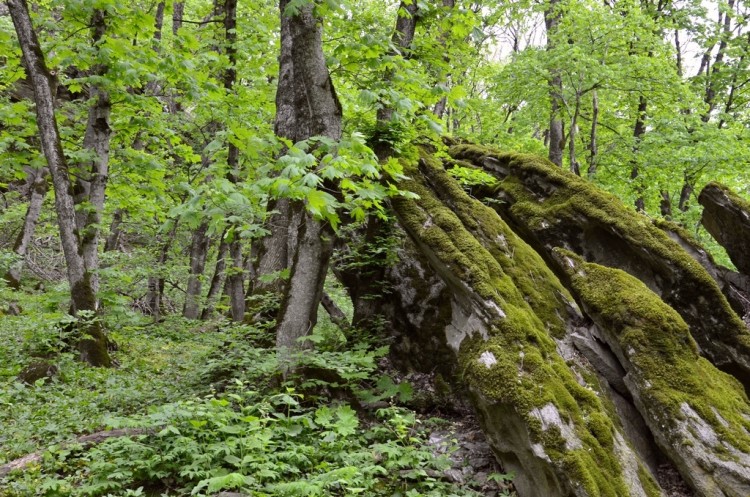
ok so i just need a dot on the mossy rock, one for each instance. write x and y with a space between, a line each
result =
507 315
699 415
726 216
551 207
37 370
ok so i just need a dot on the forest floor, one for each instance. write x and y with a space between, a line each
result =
206 414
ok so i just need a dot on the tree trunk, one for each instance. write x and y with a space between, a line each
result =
593 146
198 251
113 240
235 281
334 312
21 246
178 10
638 131
317 112
217 281
155 295
552 17
712 83
93 342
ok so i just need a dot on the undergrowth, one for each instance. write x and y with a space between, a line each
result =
211 414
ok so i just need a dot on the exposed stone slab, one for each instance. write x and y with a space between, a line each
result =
727 217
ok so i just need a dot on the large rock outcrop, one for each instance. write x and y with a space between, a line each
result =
727 217
552 208
585 337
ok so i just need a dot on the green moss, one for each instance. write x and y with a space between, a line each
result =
484 259
558 196
662 354
648 483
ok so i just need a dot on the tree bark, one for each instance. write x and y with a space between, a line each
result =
317 113
593 146
638 131
235 280
198 251
115 232
178 9
23 241
155 295
552 18
93 342
217 281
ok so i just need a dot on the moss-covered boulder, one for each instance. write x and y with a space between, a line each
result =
471 293
551 207
727 217
698 415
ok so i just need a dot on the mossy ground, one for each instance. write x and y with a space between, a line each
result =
479 250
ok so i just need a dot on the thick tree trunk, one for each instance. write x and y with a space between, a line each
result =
198 252
93 342
23 241
317 112
299 309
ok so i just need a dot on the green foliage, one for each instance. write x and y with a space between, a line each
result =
251 436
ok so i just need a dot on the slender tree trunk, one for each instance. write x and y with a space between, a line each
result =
685 192
678 52
198 251
638 131
594 147
712 77
96 139
733 87
439 109
574 167
235 279
93 342
552 17
334 312
155 296
217 281
23 241
113 240
665 204
178 9
317 113
159 21
403 36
